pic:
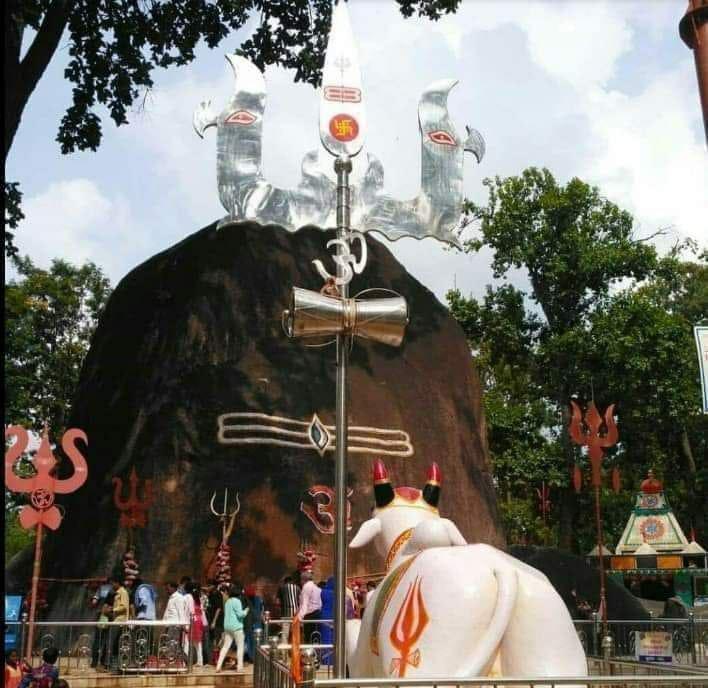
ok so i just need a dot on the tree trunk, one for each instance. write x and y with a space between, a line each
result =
568 503
698 497
21 77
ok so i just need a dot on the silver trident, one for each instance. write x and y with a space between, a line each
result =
246 195
228 520
331 311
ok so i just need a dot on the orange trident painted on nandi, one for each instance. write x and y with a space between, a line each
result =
410 622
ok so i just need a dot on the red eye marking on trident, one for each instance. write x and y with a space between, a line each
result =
410 622
133 510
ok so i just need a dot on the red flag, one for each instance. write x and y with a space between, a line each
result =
295 664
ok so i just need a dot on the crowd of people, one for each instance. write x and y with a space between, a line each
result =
313 602
211 620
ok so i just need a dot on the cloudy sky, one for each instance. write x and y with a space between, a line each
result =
603 91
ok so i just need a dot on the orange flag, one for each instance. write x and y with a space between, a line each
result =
295 665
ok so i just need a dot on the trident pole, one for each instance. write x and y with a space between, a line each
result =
342 166
35 584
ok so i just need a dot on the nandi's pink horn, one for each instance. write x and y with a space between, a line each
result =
431 491
383 490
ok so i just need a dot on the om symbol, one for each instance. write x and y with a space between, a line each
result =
321 510
347 261
41 498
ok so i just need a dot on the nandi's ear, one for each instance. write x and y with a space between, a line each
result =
367 532
456 537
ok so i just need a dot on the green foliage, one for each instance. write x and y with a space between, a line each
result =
605 318
50 316
13 215
16 537
115 47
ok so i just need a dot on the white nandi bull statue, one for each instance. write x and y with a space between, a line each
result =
449 609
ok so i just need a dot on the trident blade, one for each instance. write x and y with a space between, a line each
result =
342 115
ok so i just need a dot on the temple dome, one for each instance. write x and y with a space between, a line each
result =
650 485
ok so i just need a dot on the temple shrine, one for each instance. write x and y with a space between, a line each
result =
654 559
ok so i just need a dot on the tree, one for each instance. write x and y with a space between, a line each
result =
114 47
50 317
574 245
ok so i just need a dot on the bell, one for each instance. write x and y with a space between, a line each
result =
312 314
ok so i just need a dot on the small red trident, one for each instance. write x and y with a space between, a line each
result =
133 510
410 622
42 487
596 444
544 500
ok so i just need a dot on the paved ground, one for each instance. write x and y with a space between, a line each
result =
204 677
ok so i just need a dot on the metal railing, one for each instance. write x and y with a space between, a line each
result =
597 666
689 636
122 646
544 682
272 667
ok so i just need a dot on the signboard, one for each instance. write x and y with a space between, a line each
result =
13 611
701 334
653 646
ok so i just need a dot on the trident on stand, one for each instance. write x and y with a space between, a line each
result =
228 521
42 487
133 510
544 500
331 312
225 516
586 432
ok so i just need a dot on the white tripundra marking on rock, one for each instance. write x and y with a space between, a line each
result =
247 427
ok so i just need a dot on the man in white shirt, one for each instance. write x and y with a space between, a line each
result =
310 605
177 613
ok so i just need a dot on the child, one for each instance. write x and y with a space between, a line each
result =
13 670
46 675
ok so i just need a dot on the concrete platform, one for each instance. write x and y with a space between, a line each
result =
202 677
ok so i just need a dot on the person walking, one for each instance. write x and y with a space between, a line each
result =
255 604
215 616
198 620
289 596
327 627
119 614
310 606
234 614
103 601
176 612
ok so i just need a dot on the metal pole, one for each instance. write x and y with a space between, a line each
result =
342 166
601 560
308 659
33 598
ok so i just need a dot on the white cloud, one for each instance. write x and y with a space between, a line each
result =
73 219
547 83
647 158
